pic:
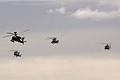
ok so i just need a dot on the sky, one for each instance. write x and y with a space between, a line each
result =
80 25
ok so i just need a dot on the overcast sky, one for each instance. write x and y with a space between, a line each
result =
80 25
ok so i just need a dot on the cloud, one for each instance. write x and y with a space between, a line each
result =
61 10
27 1
88 13
39 0
110 2
7 0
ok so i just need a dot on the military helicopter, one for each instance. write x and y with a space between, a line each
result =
17 53
54 40
107 46
16 38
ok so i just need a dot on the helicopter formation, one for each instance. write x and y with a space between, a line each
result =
16 38
19 39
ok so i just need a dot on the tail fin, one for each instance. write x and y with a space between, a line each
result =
23 40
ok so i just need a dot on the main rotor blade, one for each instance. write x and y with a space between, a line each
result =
17 50
7 36
47 39
24 31
10 33
21 34
13 50
50 37
105 43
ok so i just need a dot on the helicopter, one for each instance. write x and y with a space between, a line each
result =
54 40
107 46
16 38
16 53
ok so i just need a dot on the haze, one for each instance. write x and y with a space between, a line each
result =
80 25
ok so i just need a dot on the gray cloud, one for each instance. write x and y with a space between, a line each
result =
95 14
110 2
61 10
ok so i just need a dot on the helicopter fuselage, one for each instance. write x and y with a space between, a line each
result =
107 47
55 41
17 39
17 54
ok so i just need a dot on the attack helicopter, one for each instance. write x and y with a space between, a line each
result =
107 46
54 40
16 53
16 38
